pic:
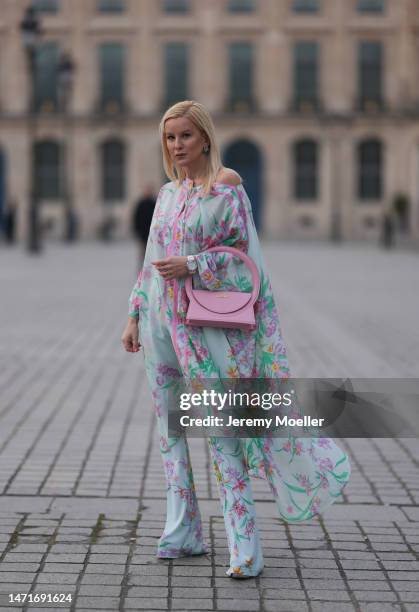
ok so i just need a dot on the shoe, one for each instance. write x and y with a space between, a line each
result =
236 572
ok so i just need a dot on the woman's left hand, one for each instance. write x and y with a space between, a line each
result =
172 267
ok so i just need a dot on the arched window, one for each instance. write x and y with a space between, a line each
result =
176 72
305 6
370 170
111 6
241 60
113 170
112 76
305 170
45 94
48 170
176 6
371 6
241 6
370 74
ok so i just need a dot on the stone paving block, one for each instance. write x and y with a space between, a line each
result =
187 604
109 568
328 607
325 595
67 568
145 604
368 585
157 570
236 592
316 583
374 596
100 590
403 575
184 581
408 596
283 593
16 577
66 557
101 579
150 591
108 558
378 607
285 605
24 567
243 605
100 603
192 571
193 592
57 578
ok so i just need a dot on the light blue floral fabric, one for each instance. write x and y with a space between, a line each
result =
305 475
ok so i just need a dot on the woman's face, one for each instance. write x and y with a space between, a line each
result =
184 141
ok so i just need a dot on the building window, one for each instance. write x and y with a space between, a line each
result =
305 6
241 6
305 170
111 6
112 77
48 164
46 6
370 69
176 71
370 6
306 75
113 171
370 170
176 6
241 76
45 85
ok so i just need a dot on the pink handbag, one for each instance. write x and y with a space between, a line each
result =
224 308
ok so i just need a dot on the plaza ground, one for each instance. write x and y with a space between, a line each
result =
83 493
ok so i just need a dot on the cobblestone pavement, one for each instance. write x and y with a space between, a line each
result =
83 496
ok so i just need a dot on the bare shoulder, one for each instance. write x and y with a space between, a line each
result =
229 177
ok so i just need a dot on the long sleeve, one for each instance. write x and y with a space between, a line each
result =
135 299
230 229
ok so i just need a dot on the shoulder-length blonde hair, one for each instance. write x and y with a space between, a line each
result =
200 117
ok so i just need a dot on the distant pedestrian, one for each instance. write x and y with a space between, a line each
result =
387 235
141 219
9 221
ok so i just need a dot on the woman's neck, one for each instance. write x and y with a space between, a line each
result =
196 174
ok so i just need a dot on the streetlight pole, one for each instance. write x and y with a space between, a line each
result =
336 217
31 31
66 74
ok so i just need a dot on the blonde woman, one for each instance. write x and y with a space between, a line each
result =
206 205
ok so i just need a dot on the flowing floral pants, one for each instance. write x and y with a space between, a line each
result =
182 535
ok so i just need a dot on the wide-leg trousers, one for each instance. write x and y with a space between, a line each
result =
182 535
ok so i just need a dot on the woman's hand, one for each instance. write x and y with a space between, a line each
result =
130 336
172 267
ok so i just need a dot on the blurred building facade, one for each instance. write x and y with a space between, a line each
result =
316 104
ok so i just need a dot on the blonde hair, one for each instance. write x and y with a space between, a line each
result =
200 117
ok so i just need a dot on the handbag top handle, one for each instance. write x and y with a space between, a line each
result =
245 258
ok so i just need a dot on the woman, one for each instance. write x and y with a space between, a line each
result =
206 205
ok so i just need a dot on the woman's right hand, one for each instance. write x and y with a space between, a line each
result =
130 336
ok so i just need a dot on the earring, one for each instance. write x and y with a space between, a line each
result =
206 148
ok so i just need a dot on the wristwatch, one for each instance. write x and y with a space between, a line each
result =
191 264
